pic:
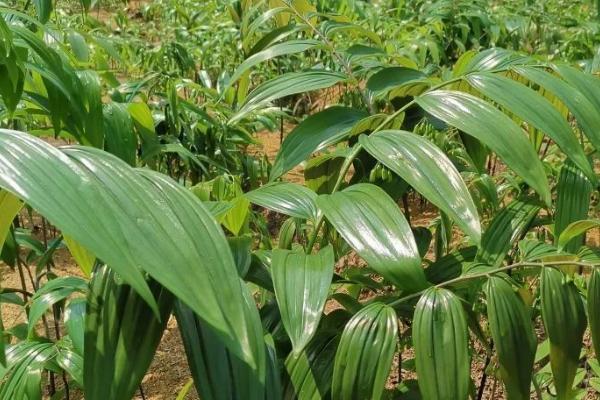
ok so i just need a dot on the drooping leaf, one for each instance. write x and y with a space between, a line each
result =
369 220
535 110
23 376
389 78
440 339
51 293
286 85
582 108
113 212
276 50
426 168
490 126
364 355
315 133
514 338
286 198
564 319
301 285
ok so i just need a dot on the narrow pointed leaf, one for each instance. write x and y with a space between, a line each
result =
301 285
286 85
364 355
370 221
426 168
490 126
315 133
564 319
440 338
514 338
535 110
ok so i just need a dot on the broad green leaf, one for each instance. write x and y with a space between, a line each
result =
301 285
135 221
280 49
440 338
236 217
117 321
311 370
495 58
450 266
514 338
505 230
322 172
426 168
490 126
371 222
241 248
286 85
580 106
564 320
534 109
364 355
593 307
315 133
575 229
389 78
9 208
218 373
286 198
120 136
573 195
82 256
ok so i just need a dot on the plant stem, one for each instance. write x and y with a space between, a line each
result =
492 272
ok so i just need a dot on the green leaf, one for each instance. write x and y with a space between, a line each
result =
218 373
276 50
564 319
575 229
74 318
315 133
573 195
10 206
369 220
593 306
286 198
514 338
364 355
286 85
389 78
84 258
120 136
579 105
490 126
23 377
440 338
51 293
44 9
117 321
241 248
301 285
321 172
507 227
426 168
133 220
534 109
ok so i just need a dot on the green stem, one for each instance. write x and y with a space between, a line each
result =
491 272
